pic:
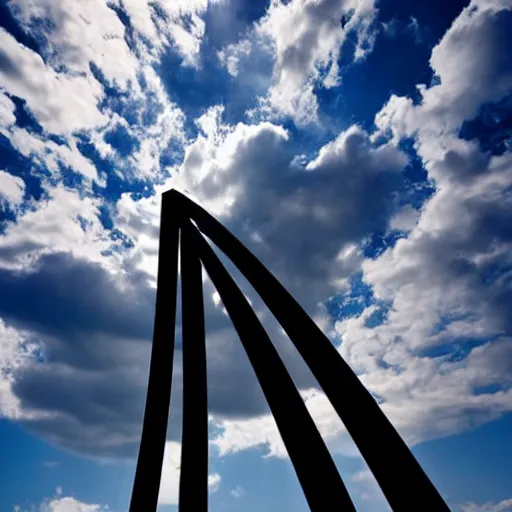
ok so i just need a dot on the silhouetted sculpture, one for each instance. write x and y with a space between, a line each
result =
401 478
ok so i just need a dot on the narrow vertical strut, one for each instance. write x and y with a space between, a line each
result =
317 474
152 445
194 454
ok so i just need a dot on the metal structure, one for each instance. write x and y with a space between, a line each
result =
183 223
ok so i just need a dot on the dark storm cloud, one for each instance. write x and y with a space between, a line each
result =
64 295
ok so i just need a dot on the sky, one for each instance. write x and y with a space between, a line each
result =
362 149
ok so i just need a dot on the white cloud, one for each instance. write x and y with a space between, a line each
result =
214 482
438 284
442 295
64 95
64 222
51 155
237 435
306 38
472 51
331 200
439 300
68 504
502 506
405 219
170 481
12 189
458 235
188 40
139 220
101 35
16 351
181 25
155 138
231 55
65 504
81 33
7 107
479 32
61 102
305 219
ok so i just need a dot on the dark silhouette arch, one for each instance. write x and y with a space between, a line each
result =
401 478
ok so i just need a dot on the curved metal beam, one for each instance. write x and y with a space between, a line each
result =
316 471
151 451
399 475
193 495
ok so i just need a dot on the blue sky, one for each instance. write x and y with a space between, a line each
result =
361 148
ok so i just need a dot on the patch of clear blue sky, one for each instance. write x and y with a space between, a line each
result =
472 466
492 128
32 469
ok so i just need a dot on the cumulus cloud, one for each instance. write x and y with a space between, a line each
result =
102 361
51 155
471 51
405 219
461 232
64 504
261 432
312 211
62 103
7 107
48 283
307 38
82 33
467 222
214 482
65 328
306 218
63 221
163 22
333 200
434 360
12 189
68 504
341 195
16 351
231 55
84 48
